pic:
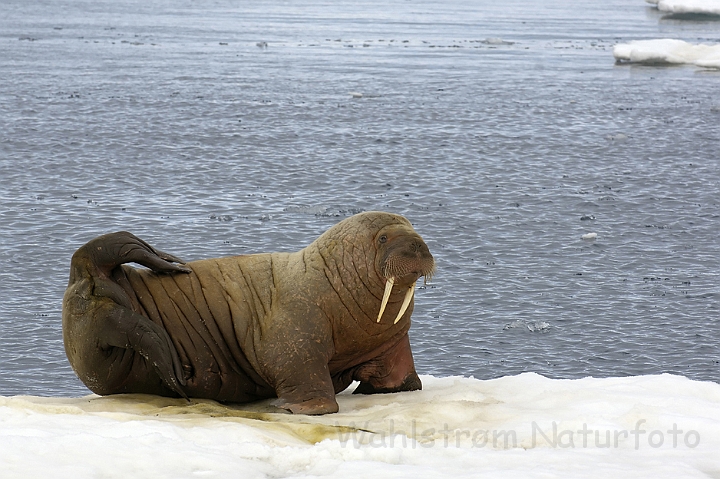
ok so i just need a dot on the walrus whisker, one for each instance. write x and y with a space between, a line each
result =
386 296
406 302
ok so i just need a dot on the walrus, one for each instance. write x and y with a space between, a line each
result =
299 327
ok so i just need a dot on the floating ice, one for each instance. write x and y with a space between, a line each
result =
496 41
538 325
668 51
312 210
589 236
619 137
522 426
702 7
529 325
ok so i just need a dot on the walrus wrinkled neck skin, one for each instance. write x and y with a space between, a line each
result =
297 326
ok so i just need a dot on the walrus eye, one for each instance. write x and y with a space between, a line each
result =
383 239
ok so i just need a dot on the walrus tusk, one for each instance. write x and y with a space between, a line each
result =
386 296
406 302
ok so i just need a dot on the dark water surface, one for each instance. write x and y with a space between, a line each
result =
503 130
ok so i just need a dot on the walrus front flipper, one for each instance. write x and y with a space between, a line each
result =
129 330
294 360
303 382
392 371
309 391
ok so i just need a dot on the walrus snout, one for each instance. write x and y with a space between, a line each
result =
406 260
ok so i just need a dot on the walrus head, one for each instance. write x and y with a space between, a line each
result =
402 258
372 249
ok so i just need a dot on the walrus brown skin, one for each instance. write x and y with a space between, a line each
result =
297 326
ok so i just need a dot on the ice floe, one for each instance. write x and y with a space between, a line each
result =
668 51
513 427
700 7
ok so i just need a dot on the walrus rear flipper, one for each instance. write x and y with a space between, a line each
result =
98 315
130 330
106 252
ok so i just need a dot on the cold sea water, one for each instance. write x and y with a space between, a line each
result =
503 130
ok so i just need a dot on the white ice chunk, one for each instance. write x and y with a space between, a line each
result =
668 51
704 7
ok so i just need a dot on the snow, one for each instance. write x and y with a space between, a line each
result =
520 426
668 51
703 7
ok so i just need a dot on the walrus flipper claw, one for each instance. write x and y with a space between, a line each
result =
169 257
165 263
151 341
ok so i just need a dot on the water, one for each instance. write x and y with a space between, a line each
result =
168 120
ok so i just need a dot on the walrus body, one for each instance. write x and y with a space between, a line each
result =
297 326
